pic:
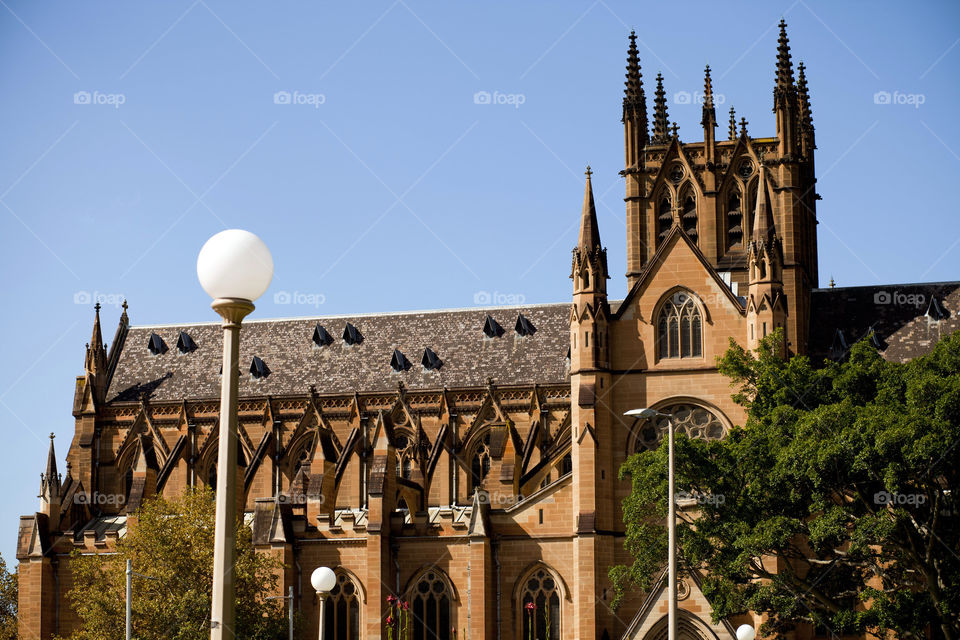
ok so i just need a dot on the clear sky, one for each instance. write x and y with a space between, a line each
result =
351 138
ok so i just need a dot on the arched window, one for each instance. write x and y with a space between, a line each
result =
664 219
430 601
734 220
480 461
541 591
405 455
341 616
127 484
692 420
689 217
302 459
680 328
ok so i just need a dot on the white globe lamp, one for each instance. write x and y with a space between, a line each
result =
746 632
235 264
323 579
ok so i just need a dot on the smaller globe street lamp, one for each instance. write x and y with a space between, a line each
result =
646 414
234 268
323 580
746 632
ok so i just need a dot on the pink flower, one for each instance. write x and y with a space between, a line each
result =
391 599
405 605
389 619
530 607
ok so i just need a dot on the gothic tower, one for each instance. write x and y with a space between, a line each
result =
766 306
710 188
589 383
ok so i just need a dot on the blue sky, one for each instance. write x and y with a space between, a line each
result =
134 131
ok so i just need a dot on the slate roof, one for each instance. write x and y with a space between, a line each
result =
295 361
897 314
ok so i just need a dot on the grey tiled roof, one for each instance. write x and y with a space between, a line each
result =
896 313
295 362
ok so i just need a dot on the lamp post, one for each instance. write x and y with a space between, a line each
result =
646 414
289 599
235 268
129 602
746 632
323 580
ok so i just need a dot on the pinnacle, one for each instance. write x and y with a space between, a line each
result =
661 123
732 129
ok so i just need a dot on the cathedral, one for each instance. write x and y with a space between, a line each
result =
466 460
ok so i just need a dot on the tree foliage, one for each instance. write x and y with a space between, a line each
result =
172 543
838 501
8 603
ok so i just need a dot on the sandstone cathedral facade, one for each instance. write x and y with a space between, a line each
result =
467 460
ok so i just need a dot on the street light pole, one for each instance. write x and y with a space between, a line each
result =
646 414
289 599
235 268
129 607
323 580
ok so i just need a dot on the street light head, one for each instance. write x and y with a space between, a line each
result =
644 414
746 632
235 264
323 580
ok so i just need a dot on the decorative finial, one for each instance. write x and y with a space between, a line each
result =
732 130
832 283
743 126
588 172
674 128
661 123
52 436
96 307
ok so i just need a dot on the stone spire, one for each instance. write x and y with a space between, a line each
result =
732 127
763 228
589 239
50 479
784 65
589 270
709 112
803 97
634 98
96 357
661 124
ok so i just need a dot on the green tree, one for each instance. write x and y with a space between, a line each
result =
8 603
173 543
839 503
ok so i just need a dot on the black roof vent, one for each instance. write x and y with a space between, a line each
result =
935 312
352 335
156 345
259 368
321 337
430 361
492 328
185 343
525 327
399 361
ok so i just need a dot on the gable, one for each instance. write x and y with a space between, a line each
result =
693 613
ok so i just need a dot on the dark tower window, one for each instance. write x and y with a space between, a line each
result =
689 217
212 477
586 279
342 611
734 221
430 601
664 219
127 483
405 451
680 328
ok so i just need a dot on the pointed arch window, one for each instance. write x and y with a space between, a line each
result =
680 328
341 618
734 220
430 601
689 216
212 476
480 462
405 455
541 591
664 218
